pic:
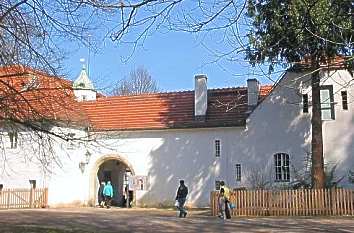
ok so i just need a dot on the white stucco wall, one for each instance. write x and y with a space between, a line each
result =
84 94
278 125
166 156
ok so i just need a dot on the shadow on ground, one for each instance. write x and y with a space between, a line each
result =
91 220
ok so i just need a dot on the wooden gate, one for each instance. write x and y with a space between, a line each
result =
23 198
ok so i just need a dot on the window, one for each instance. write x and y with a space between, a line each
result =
305 103
33 183
141 184
1 187
327 103
238 172
217 184
217 148
13 139
344 100
282 169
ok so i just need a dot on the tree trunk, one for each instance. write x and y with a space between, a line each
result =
318 175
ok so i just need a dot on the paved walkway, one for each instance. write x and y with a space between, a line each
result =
159 221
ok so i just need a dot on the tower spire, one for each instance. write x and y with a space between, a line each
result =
82 61
83 87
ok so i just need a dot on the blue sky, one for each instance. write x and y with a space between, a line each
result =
172 59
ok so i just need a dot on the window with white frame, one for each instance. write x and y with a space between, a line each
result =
13 136
238 171
217 148
140 182
282 168
327 102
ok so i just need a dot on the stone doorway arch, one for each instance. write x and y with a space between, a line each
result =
113 160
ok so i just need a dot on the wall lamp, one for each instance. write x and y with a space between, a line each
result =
82 164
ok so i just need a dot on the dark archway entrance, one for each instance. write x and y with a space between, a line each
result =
117 173
115 169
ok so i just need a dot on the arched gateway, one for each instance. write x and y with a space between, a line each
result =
112 168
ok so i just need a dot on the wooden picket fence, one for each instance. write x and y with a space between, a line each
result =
301 202
23 198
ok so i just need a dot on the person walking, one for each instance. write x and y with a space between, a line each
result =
100 194
224 200
222 203
108 194
181 197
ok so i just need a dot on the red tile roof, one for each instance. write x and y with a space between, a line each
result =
336 62
226 107
28 98
32 95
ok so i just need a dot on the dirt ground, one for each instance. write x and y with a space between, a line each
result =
85 220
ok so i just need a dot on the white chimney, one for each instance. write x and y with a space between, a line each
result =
200 96
252 92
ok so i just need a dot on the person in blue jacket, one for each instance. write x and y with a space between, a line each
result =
108 194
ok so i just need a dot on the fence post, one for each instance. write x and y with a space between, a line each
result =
8 198
46 197
212 203
333 201
31 198
270 204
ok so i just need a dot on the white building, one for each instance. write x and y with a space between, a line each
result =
202 136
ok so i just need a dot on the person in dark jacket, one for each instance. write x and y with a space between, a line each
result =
100 194
181 196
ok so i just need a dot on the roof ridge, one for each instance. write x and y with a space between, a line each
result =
19 71
176 92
